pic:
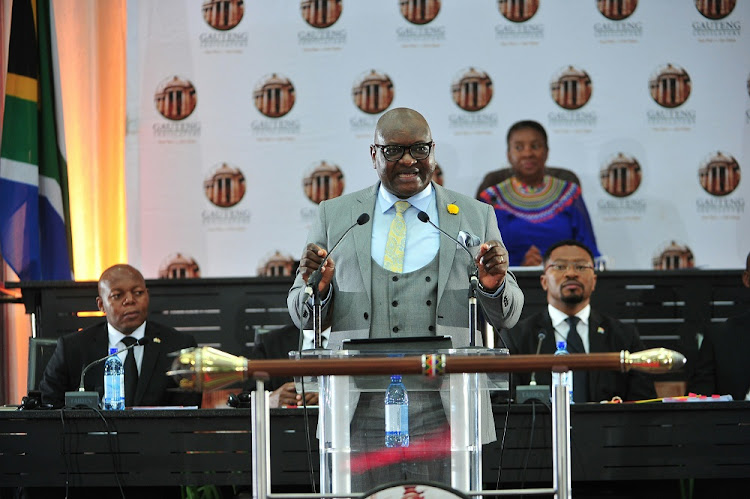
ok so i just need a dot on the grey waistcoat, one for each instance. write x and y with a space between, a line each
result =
404 304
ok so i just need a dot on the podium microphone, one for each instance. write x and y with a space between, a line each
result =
541 337
532 391
91 399
317 275
473 271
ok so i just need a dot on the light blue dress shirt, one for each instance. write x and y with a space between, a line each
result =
422 239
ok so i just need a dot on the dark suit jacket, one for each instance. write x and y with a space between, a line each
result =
76 350
603 385
275 344
722 366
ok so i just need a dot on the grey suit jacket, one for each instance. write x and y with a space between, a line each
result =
350 306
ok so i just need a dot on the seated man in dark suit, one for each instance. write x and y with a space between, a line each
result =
277 344
722 367
124 299
569 280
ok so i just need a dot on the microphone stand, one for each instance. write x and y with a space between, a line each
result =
532 391
313 282
83 398
473 286
473 272
311 289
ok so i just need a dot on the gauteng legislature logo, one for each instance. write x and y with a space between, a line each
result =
518 11
715 9
669 86
225 186
571 88
324 182
175 98
419 11
719 175
621 176
373 92
472 89
674 257
223 14
277 265
274 96
616 10
321 13
179 266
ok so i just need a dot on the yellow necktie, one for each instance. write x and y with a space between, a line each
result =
394 247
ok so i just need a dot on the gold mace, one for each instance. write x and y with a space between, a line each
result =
206 368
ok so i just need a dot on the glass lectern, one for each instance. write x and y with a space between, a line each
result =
449 419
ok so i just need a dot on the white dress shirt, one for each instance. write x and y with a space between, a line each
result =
562 327
115 341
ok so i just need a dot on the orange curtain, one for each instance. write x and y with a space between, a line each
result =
91 38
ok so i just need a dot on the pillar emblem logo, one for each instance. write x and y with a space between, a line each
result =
179 266
616 10
274 96
223 14
719 174
321 13
675 256
373 92
670 85
225 186
715 9
571 88
621 176
175 98
472 89
518 11
324 182
419 11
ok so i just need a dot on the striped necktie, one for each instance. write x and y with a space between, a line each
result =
394 247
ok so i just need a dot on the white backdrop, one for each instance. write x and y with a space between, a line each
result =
169 160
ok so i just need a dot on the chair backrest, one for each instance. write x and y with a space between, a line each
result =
497 176
40 352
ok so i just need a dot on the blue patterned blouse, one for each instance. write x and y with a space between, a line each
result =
540 215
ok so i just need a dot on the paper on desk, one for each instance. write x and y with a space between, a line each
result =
699 398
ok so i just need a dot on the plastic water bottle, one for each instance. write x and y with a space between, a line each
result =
114 383
565 378
396 414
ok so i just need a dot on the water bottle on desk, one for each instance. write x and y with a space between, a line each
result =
114 383
396 414
565 378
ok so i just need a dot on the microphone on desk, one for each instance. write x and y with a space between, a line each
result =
472 268
91 399
317 275
541 337
532 391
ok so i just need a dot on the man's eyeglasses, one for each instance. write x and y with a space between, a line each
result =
418 151
579 267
